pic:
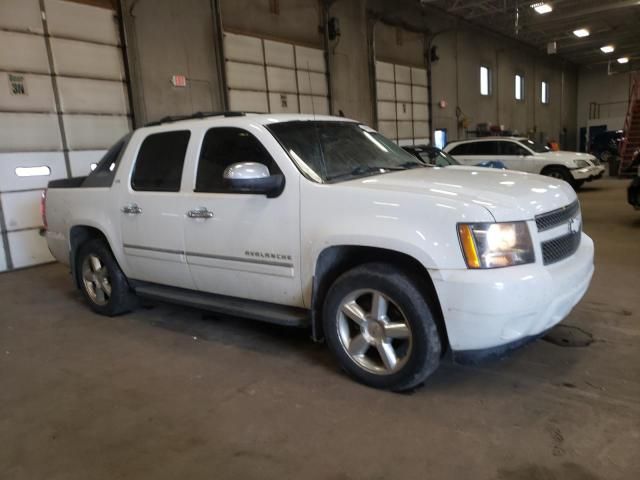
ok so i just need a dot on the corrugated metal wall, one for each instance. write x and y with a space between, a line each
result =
63 102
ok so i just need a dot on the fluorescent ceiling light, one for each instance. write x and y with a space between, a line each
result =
542 8
581 32
623 60
607 49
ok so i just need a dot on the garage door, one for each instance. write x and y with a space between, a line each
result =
63 102
403 111
276 77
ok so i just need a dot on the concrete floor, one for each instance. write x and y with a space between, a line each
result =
168 393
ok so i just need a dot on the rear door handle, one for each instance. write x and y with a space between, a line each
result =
132 209
201 212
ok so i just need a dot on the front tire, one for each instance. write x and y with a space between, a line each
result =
380 327
562 173
103 285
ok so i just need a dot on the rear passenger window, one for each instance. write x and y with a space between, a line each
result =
462 150
160 161
221 148
512 148
485 148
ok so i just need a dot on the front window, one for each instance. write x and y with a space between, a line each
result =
438 158
535 146
328 152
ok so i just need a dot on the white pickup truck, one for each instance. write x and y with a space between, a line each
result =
323 223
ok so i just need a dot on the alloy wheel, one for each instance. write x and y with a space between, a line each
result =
374 331
96 279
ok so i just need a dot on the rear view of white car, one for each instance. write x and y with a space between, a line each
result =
525 155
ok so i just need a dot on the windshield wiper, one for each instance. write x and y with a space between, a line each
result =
364 169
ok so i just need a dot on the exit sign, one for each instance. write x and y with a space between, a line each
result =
179 81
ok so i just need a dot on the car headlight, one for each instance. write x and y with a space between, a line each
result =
581 163
493 245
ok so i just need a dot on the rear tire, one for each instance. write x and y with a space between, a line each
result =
380 327
102 282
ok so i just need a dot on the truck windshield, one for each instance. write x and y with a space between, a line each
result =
336 151
535 146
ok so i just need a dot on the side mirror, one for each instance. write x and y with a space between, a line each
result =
253 177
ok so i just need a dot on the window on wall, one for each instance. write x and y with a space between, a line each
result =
519 87
485 80
544 92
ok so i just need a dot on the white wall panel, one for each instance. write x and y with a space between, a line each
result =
384 71
21 209
420 111
21 15
81 59
309 59
81 161
320 105
243 48
23 52
10 161
28 248
247 101
405 129
418 76
83 22
387 111
318 83
388 129
403 74
29 132
93 132
386 91
79 95
279 54
419 94
403 93
403 111
281 79
283 102
421 129
245 76
38 98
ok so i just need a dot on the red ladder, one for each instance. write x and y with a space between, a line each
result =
631 140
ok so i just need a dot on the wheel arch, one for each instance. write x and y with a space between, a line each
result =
552 166
78 235
335 260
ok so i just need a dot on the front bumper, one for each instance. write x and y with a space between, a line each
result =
493 310
588 174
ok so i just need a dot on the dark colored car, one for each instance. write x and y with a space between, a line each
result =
439 158
605 145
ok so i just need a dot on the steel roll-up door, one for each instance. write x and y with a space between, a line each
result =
273 76
63 102
403 110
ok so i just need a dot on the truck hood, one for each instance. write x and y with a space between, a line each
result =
508 195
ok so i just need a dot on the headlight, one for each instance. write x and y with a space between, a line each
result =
581 163
492 245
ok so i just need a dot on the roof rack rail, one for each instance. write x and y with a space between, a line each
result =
177 118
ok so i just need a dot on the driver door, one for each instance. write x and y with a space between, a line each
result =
242 244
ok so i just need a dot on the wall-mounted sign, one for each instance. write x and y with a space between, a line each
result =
179 81
283 100
17 85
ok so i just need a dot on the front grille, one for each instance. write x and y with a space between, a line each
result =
551 219
560 248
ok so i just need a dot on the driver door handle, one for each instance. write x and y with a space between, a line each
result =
132 209
201 212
